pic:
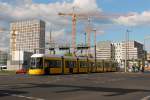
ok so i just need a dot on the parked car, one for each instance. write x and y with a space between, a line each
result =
3 67
21 71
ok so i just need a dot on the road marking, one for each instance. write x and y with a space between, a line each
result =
4 85
111 80
22 96
14 85
146 98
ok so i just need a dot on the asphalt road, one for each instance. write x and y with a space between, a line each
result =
95 86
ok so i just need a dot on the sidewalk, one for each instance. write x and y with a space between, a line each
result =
4 72
130 72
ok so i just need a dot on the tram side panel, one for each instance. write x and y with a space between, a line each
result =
92 66
89 66
70 66
83 66
54 66
75 68
66 67
100 66
114 67
110 66
105 64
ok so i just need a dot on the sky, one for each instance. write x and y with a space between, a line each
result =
118 16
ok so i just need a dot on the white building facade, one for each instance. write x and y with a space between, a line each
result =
104 50
131 50
26 37
119 51
30 34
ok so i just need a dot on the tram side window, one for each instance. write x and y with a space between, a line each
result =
100 64
106 64
83 64
114 64
53 63
91 64
36 63
70 64
39 62
33 63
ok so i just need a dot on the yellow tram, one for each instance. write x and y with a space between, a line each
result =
51 64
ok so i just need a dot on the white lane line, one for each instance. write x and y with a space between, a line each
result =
4 85
22 96
6 93
111 80
13 85
146 98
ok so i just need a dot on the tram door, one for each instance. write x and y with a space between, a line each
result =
46 71
46 67
71 70
70 67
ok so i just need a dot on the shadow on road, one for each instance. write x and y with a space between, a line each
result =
4 93
74 88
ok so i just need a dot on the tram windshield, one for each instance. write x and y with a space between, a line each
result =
36 63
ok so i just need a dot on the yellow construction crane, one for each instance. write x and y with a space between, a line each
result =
13 37
94 15
74 19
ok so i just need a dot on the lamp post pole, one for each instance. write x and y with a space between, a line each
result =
95 44
19 55
126 49
143 63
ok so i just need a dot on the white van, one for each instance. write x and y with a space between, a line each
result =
3 67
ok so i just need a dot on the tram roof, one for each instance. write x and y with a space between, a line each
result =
70 57
52 56
59 56
45 55
37 55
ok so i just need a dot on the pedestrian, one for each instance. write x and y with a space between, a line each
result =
138 69
133 67
142 69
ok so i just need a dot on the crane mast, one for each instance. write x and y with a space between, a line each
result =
74 19
74 16
13 43
74 32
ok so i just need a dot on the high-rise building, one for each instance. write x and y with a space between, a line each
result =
104 50
119 51
133 49
30 35
26 37
118 54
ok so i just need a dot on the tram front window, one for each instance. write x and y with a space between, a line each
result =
36 63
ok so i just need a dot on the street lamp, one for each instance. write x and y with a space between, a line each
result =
146 38
126 49
95 43
19 50
51 47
